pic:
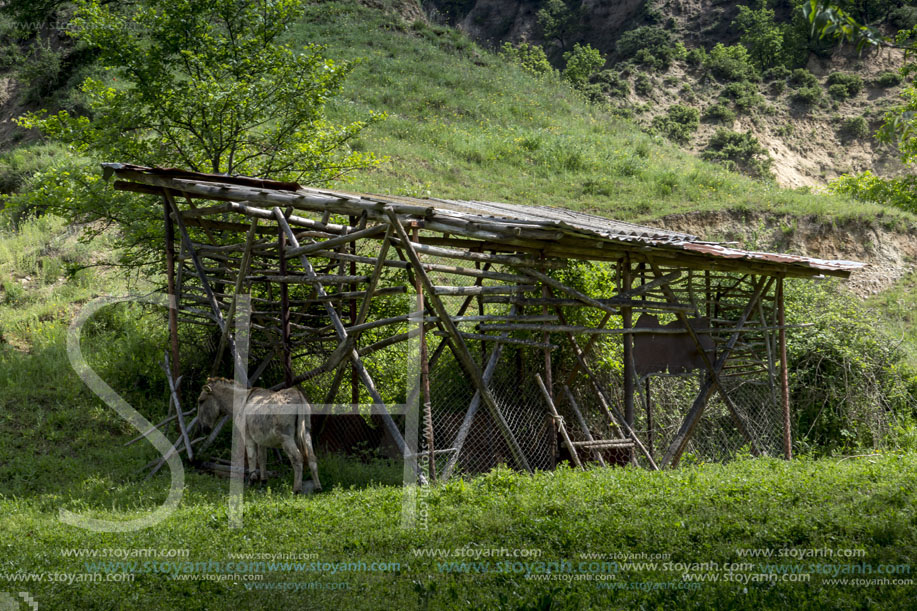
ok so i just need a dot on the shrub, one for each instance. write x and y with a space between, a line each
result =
41 71
678 124
800 77
854 128
843 85
696 57
642 84
743 94
778 87
838 92
889 78
777 73
612 83
720 113
903 17
582 63
731 63
738 151
531 57
651 46
760 35
807 95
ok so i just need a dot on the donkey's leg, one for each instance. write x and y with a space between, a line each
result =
251 450
262 462
292 451
313 465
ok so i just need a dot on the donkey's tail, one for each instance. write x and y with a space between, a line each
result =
303 424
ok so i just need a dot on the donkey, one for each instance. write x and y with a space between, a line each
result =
266 426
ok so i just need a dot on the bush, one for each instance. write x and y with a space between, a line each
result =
838 92
743 94
612 83
738 151
731 63
531 57
678 124
800 77
582 63
41 71
777 73
903 17
854 128
847 376
720 113
843 85
889 78
760 35
807 95
642 84
651 46
696 57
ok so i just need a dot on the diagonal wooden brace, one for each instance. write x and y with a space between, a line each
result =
390 426
458 342
677 447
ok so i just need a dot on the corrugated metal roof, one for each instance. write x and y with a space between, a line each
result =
563 222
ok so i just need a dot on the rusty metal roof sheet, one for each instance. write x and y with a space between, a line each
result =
554 223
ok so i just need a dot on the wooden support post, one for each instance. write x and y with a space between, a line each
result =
784 372
201 272
173 296
425 373
649 414
630 373
354 376
285 311
596 454
458 343
390 426
548 369
683 435
561 428
240 284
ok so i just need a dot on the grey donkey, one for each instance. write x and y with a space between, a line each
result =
267 424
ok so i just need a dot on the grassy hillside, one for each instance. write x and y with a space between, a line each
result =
464 123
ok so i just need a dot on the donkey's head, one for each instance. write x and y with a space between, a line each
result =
208 406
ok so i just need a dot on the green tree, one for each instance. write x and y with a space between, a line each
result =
582 63
761 36
561 20
202 84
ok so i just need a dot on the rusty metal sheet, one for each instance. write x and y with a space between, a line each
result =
565 223
670 353
724 252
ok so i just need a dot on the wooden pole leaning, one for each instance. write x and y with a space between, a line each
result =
673 454
458 342
561 428
390 426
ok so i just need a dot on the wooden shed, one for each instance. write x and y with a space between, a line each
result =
541 333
